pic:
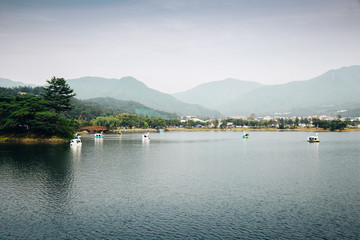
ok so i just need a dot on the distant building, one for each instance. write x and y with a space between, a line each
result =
195 119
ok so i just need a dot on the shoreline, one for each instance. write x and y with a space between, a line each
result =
33 139
140 130
30 139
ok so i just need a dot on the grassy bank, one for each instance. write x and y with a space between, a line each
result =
29 139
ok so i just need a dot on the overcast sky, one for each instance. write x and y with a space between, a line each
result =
174 45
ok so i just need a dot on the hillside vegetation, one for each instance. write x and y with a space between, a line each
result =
117 107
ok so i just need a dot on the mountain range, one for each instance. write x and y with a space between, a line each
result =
214 94
7 83
130 89
326 94
336 88
329 93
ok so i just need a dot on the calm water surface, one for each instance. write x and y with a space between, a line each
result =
183 185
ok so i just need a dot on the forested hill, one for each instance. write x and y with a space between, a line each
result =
130 89
6 91
94 107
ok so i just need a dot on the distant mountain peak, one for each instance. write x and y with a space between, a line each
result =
132 79
130 89
213 94
338 87
225 81
4 82
128 80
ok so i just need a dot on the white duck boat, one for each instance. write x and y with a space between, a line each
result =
313 139
245 135
146 136
98 135
75 142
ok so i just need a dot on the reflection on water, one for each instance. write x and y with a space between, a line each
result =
76 153
98 141
35 178
315 148
183 185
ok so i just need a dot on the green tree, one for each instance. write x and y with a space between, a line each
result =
100 121
253 123
281 122
296 122
325 124
173 122
145 125
44 123
17 111
239 122
190 123
128 120
305 121
315 122
113 122
65 128
58 93
216 123
30 113
156 122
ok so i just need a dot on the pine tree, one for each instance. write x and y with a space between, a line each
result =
58 93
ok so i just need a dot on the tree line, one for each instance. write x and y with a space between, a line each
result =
285 123
126 120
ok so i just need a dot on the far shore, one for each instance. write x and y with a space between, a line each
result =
33 139
141 130
274 129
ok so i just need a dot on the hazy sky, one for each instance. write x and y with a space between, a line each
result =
174 45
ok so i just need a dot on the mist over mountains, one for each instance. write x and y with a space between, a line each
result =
327 94
330 92
215 94
7 83
130 89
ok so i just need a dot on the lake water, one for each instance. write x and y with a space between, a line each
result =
183 185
